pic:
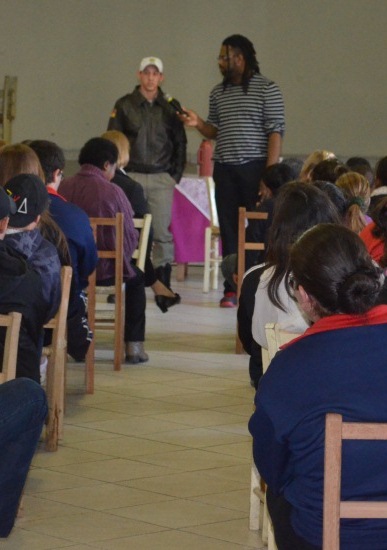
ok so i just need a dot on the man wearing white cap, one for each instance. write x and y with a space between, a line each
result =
157 153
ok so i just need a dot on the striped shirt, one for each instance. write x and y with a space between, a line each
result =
245 121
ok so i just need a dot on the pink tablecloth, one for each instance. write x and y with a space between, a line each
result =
190 217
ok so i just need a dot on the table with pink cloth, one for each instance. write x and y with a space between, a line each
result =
190 217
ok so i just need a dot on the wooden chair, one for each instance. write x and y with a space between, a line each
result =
276 337
243 245
57 358
112 316
11 322
335 431
212 258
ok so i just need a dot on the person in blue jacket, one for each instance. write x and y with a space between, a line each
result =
338 365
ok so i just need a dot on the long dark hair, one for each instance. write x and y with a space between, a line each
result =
331 262
244 46
299 206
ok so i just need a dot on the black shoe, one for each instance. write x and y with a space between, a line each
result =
165 302
111 299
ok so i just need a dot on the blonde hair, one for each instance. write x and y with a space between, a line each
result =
357 191
122 143
314 158
18 159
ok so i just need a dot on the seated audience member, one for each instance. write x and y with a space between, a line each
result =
299 206
338 365
311 161
23 408
17 159
295 164
75 224
273 178
21 291
380 190
356 189
31 199
91 190
328 170
363 167
164 296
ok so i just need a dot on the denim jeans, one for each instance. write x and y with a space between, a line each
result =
23 409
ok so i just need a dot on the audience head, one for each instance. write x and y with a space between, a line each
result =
295 164
122 143
298 207
312 161
328 170
274 177
101 153
357 191
332 272
51 158
18 159
335 194
362 166
31 199
381 173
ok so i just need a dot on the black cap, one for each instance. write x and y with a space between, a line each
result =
30 196
7 205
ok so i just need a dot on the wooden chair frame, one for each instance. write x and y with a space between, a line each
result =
57 359
243 245
119 290
334 508
212 258
11 321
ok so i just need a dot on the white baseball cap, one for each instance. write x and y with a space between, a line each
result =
151 61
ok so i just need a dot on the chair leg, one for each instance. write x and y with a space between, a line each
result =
207 259
256 497
216 262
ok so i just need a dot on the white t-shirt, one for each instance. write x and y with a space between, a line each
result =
292 320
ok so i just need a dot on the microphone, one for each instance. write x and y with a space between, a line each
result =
175 104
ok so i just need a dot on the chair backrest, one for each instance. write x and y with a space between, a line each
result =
335 431
11 322
277 337
210 185
57 357
144 224
244 245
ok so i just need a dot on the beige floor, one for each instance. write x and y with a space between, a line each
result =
159 457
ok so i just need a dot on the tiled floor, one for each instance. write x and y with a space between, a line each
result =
159 457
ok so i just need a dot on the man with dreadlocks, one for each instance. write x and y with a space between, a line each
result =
246 117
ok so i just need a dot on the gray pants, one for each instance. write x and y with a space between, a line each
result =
158 189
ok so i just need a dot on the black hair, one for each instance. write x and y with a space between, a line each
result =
295 164
331 262
97 151
276 175
245 47
335 194
50 155
298 207
328 170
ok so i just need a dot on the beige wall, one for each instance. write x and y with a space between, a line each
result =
73 58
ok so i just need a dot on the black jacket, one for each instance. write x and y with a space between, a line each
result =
157 137
21 291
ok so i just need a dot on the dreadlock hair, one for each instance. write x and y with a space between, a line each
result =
242 45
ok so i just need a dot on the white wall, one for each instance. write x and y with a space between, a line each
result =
73 58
